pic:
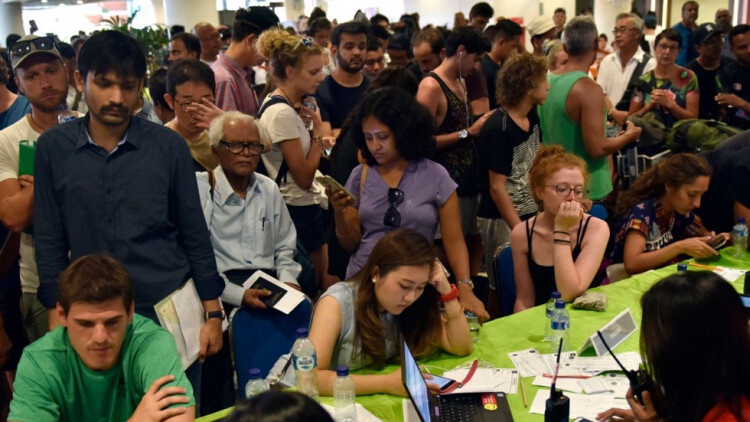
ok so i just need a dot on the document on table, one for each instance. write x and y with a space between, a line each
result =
729 274
531 363
363 415
486 380
599 364
613 384
581 405
565 384
283 297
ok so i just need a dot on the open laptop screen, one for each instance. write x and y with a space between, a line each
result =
415 384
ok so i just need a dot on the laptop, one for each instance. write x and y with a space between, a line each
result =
470 407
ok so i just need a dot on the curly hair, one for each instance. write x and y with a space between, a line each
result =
675 171
412 125
520 74
420 322
548 160
284 49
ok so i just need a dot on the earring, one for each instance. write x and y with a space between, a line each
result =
374 279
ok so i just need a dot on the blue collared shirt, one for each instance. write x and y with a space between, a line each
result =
252 233
139 203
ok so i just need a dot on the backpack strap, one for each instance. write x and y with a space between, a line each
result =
284 167
624 102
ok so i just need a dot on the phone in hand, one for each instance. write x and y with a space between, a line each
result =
717 242
441 382
333 185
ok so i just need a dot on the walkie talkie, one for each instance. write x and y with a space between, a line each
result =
638 379
558 405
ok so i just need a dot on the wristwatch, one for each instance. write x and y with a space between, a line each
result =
215 314
466 281
463 134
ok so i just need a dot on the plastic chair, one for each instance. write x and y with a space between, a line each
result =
260 337
504 280
598 211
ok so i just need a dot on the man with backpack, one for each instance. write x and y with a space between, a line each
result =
619 71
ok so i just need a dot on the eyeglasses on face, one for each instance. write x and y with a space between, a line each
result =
392 217
622 30
21 48
666 47
564 190
237 147
185 104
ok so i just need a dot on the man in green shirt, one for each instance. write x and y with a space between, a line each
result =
104 362
573 115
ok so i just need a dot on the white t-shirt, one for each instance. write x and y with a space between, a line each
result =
282 124
614 79
10 139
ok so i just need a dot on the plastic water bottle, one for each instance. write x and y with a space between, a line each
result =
345 410
549 311
64 114
255 385
305 364
309 102
739 238
560 326
681 268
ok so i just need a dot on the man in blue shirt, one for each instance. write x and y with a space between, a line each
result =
686 28
120 184
12 106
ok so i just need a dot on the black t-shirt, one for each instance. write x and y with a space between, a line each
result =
731 165
735 78
708 108
505 148
490 70
336 100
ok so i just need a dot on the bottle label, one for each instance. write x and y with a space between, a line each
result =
305 363
739 232
549 313
560 325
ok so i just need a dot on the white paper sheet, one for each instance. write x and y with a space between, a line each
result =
190 313
614 384
581 405
287 303
363 415
599 364
410 413
485 380
729 274
531 363
565 384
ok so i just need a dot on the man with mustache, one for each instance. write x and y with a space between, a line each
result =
120 184
42 78
341 91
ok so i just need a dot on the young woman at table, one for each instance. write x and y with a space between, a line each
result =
656 220
562 247
695 345
399 187
295 64
357 322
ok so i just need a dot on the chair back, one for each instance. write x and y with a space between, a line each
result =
260 337
504 280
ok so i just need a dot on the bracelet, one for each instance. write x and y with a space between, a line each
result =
336 230
447 317
450 296
561 232
466 281
562 241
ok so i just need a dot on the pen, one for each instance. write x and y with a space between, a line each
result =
582 377
523 393
263 224
705 267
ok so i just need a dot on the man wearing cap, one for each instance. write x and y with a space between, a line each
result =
540 30
210 41
42 78
686 28
735 80
621 69
708 42
230 69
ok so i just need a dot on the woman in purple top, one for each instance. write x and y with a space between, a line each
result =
398 187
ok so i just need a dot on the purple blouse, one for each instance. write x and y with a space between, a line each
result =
426 186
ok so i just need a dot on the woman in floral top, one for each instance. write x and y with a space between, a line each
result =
657 223
670 90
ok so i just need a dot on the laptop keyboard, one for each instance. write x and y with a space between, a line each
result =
458 408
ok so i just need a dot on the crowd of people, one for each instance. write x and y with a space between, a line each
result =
444 146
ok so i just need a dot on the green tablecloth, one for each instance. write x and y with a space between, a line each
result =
525 330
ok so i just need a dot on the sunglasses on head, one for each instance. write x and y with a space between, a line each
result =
22 48
306 41
392 217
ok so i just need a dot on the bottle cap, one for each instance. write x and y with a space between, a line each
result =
681 267
254 373
556 295
741 220
342 370
302 332
559 304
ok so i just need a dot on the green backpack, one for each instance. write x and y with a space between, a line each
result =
693 135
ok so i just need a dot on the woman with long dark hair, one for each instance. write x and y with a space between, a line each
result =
357 322
695 345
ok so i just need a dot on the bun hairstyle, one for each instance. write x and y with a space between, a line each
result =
550 159
283 49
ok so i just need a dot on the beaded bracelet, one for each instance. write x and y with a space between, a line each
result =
562 241
447 317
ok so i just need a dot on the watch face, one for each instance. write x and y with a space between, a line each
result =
463 134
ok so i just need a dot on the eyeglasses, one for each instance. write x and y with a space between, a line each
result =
392 217
306 41
22 48
237 147
666 47
564 190
185 104
622 29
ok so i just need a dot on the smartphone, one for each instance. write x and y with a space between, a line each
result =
332 184
441 382
717 242
746 303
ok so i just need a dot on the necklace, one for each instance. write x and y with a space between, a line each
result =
288 98
44 129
